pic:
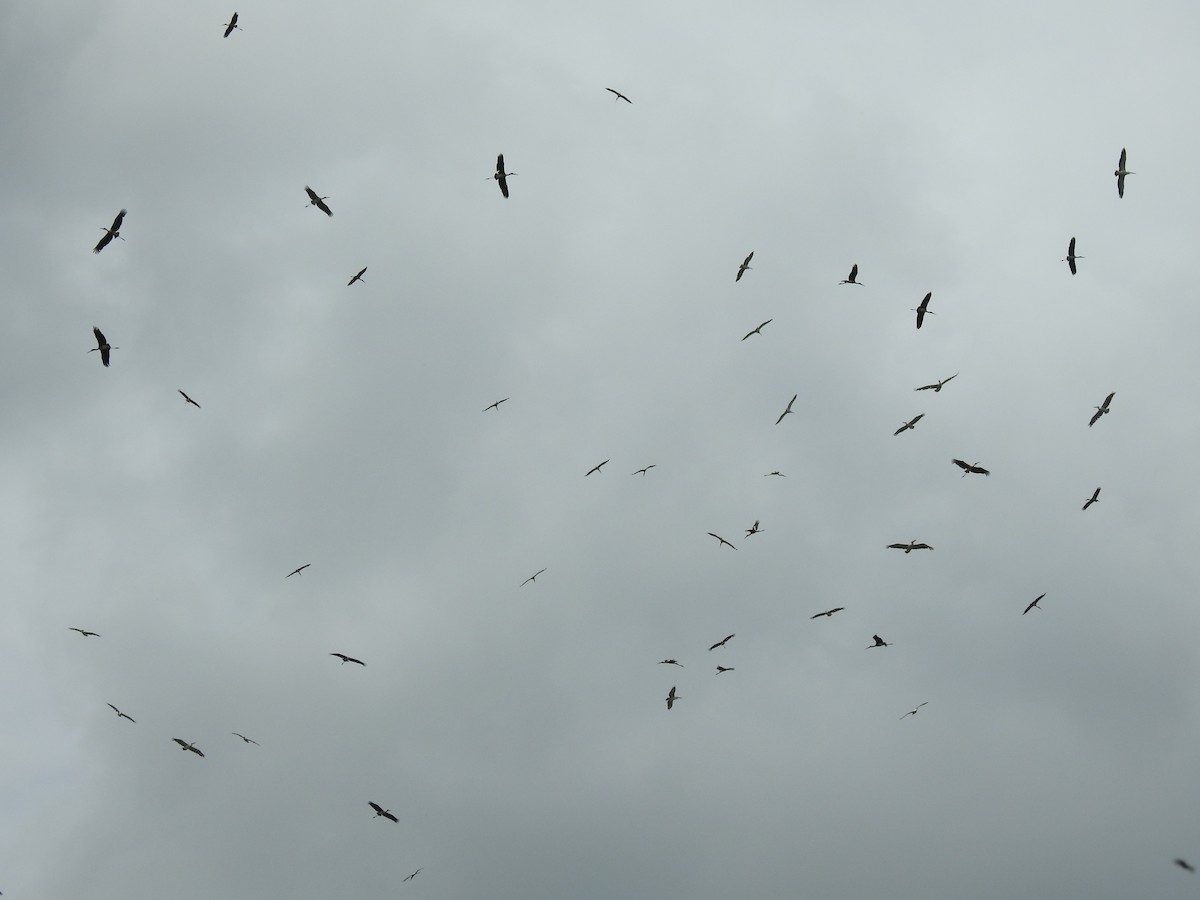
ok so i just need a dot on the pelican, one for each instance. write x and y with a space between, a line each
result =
318 202
671 698
1121 173
190 400
852 278
299 571
879 642
414 874
595 468
1100 410
109 233
1034 604
246 739
1095 498
121 715
721 643
722 540
186 746
936 387
380 811
744 266
921 309
231 25
358 277
532 577
759 329
970 468
643 472
501 176
345 659
721 669
828 612
911 423
913 711
909 547
1071 257
788 410
1182 863
753 529
670 662
495 406
103 346
84 633
619 96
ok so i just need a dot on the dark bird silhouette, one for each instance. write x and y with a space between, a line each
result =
345 659
828 612
909 547
852 278
780 474
671 698
231 25
879 642
788 410
84 633
189 399
753 529
495 406
722 540
103 345
1182 863
1034 604
670 662
121 715
186 746
299 571
744 266
1095 498
1071 257
380 811
358 277
936 387
645 470
1121 173
532 577
246 739
1100 410
970 468
721 669
759 329
619 96
114 231
911 423
318 202
595 468
721 643
501 176
913 712
921 309
414 874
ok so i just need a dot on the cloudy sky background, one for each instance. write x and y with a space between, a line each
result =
519 733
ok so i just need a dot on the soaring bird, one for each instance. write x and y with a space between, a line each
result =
345 659
501 176
852 278
670 662
414 874
532 577
299 571
911 423
1071 257
759 329
1182 863
788 410
1100 410
358 277
102 345
495 406
121 715
246 739
970 468
721 643
922 308
380 811
619 96
722 540
828 612
595 468
186 746
671 698
189 399
721 669
779 474
744 266
913 711
114 231
318 202
231 25
1034 604
1121 173
937 386
642 472
909 547
84 633
879 642
1095 498
753 529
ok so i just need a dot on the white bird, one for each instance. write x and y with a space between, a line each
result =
744 266
911 423
1100 410
788 410
1121 173
1095 498
1071 257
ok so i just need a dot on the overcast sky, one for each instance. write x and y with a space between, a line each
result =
519 732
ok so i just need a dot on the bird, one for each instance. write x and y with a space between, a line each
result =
753 529
190 400
414 874
879 642
121 715
852 278
345 659
318 202
619 96
84 633
744 266
970 468
1100 410
114 231
495 406
380 811
358 277
909 547
671 698
102 345
937 386
759 329
501 176
1033 605
721 539
246 739
186 746
1183 863
1121 173
721 643
595 468
1071 257
231 25
778 473
828 612
911 423
299 571
788 410
532 577
670 662
642 472
1095 498
921 309
721 669
913 712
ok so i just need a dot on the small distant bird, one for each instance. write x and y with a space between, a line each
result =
970 468
645 470
1095 498
671 698
231 25
721 643
744 266
121 715
414 874
921 309
753 529
879 642
532 577
721 669
345 659
852 278
759 329
909 547
1121 173
911 423
113 231
1182 863
246 739
913 712
495 406
769 474
190 400
788 410
84 633
1071 257
1100 410
186 746
318 202
358 277
722 540
828 612
595 468
670 662
298 571
501 177
380 811
102 345
619 96
1034 604
938 385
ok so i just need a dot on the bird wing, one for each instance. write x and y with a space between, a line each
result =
1095 417
116 225
104 355
853 272
312 195
921 547
323 208
180 742
1107 400
114 709
903 427
102 243
961 464
916 420
353 660
503 184
1071 264
925 302
897 546
197 752
100 339
388 815
375 806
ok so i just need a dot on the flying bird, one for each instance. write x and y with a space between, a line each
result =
1182 863
345 659
721 669
121 715
380 811
828 612
759 329
102 345
114 231
532 577
671 698
645 470
744 266
495 406
670 662
501 176
190 400
1071 257
1034 604
299 571
780 474
879 642
619 96
1100 410
913 712
1121 173
909 547
186 746
231 25
852 278
753 529
788 410
246 739
970 468
595 468
936 387
911 423
921 309
721 643
722 540
358 277
1095 498
318 202
84 633
414 874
